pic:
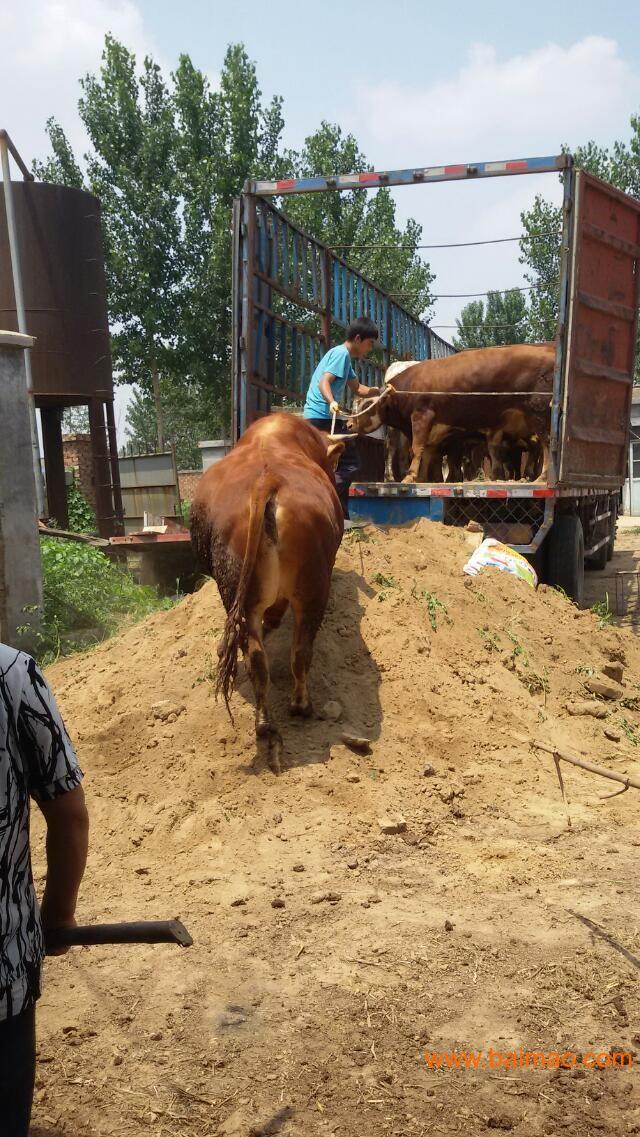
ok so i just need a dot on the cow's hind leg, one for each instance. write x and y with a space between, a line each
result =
258 670
307 620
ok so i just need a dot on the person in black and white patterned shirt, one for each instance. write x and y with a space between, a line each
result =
37 760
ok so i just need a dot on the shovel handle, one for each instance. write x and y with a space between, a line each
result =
138 932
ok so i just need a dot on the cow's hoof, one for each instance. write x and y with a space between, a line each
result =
300 710
409 480
274 757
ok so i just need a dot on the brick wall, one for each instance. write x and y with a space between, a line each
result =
187 482
76 449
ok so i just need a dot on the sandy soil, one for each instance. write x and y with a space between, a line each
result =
328 955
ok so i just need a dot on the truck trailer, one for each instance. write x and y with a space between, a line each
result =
293 296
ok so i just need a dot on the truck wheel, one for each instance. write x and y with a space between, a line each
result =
565 556
599 560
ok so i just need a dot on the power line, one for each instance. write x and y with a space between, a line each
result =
466 295
453 245
472 327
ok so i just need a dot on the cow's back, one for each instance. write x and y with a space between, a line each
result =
286 448
517 367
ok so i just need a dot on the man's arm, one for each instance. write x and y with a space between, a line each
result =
360 390
53 778
67 844
324 386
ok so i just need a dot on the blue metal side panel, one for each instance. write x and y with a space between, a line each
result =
275 242
285 255
314 275
395 511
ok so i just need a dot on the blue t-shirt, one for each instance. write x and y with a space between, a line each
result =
338 362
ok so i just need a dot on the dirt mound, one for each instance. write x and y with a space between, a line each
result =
312 1015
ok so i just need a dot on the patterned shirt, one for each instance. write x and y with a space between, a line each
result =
37 760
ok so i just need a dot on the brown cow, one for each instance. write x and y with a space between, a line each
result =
266 522
434 416
515 368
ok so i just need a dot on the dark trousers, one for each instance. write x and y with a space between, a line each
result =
17 1072
348 462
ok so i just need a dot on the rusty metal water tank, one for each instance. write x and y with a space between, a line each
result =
63 279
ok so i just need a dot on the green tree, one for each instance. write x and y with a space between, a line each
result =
223 137
132 169
190 416
359 218
540 253
75 420
167 159
502 320
541 244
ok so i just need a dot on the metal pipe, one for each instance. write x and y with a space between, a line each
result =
5 144
115 468
26 173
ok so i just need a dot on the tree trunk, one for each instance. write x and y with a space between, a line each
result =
155 383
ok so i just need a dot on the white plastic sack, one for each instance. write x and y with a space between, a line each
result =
493 554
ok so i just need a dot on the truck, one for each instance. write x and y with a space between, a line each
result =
293 296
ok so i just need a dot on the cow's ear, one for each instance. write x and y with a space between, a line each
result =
334 450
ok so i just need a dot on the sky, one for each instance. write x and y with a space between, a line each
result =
418 84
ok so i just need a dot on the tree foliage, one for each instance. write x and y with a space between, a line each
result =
166 158
359 218
540 247
75 420
502 319
189 417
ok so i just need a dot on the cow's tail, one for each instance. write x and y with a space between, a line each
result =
235 627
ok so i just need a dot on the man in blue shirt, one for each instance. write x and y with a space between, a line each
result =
326 390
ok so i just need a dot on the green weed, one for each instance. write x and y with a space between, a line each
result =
82 519
630 732
489 639
384 581
602 610
435 607
86 598
560 589
518 647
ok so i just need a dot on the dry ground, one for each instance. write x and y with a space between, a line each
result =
486 922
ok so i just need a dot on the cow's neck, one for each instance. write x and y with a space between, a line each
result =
392 414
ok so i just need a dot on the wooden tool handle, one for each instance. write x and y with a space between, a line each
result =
138 932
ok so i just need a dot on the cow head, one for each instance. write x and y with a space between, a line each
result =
368 413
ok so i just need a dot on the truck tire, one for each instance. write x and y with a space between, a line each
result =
599 560
565 556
